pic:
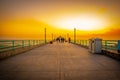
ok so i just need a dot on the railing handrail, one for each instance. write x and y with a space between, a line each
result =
6 45
106 44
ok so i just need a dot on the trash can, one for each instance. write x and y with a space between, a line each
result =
95 45
51 42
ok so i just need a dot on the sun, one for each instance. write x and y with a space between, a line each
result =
83 23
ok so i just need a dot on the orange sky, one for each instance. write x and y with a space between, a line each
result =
26 19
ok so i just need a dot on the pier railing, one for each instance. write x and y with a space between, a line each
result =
110 45
12 47
84 43
6 45
106 44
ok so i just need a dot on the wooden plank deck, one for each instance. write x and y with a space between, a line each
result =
59 61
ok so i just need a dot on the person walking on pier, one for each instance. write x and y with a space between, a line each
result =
69 39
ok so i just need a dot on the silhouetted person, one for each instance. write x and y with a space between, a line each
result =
69 39
57 39
62 40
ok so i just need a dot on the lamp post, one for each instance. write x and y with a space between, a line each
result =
52 36
74 35
67 37
45 35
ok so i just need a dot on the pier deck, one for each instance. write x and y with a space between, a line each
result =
59 61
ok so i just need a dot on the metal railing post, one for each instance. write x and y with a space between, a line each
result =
118 46
22 43
105 44
86 43
29 43
33 42
36 42
83 42
13 45
39 42
80 42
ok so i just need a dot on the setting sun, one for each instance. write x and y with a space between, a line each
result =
81 23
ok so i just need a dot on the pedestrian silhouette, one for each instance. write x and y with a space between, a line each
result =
69 39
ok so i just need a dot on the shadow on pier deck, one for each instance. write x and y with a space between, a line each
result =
59 61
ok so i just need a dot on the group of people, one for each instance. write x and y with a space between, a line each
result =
62 40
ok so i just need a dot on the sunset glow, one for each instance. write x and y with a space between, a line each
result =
26 19
80 23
